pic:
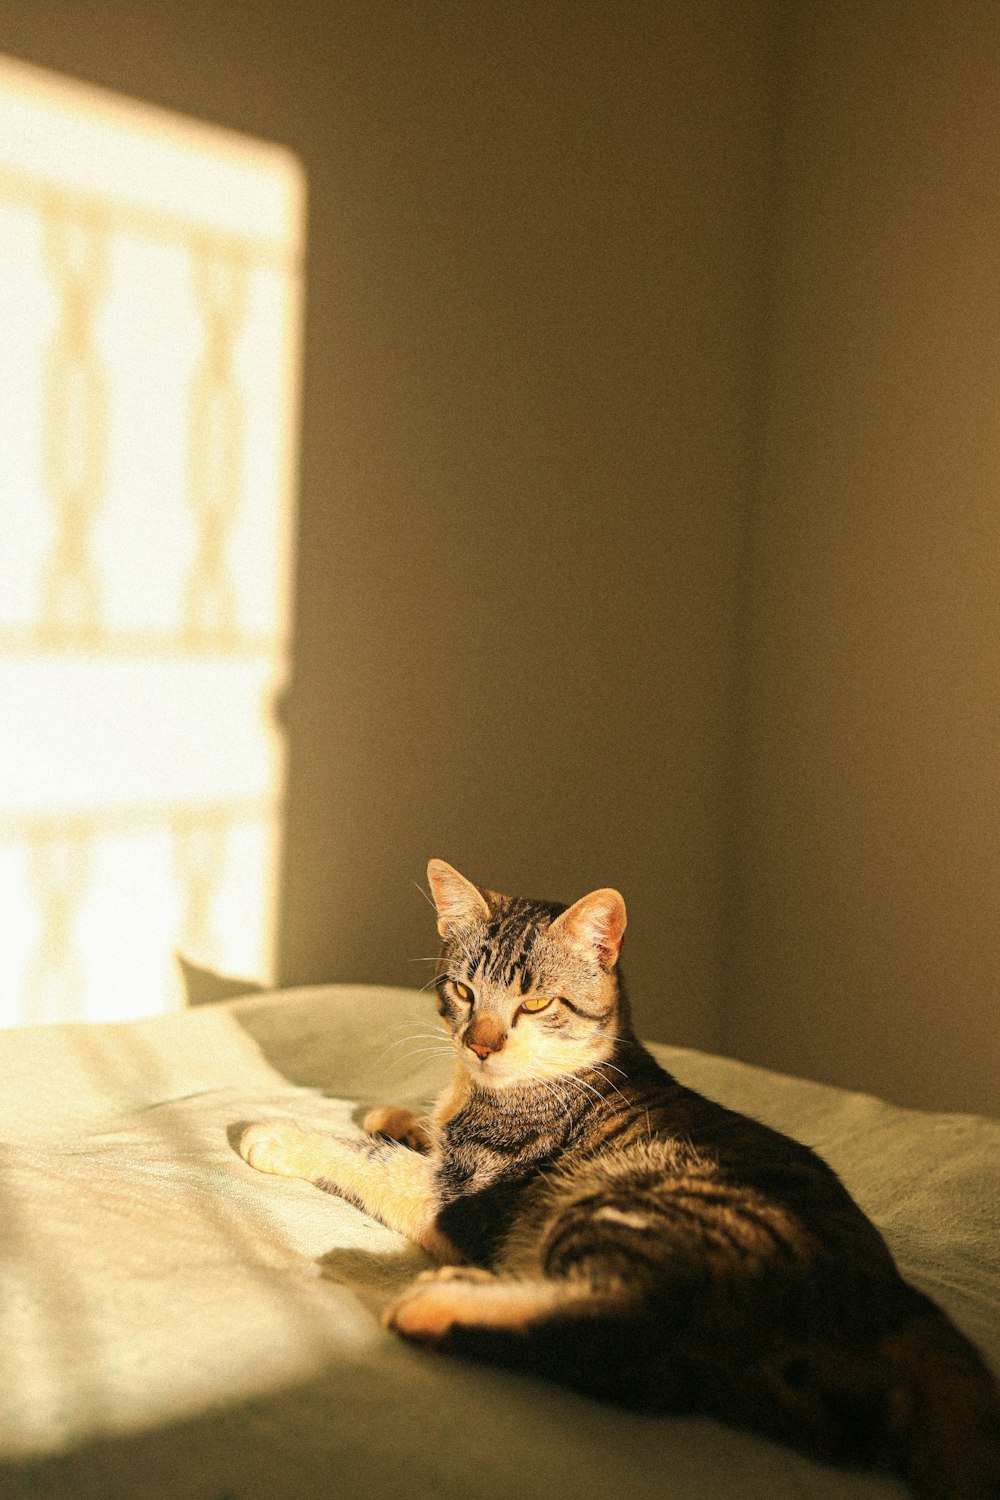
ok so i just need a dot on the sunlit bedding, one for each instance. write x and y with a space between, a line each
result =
174 1324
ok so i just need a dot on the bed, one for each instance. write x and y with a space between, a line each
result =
173 1324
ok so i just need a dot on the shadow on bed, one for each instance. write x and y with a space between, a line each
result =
386 1047
369 1430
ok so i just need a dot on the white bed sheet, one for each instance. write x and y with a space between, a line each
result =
173 1324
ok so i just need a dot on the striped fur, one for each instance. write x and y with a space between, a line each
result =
602 1225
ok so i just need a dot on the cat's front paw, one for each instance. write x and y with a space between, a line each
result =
274 1146
398 1125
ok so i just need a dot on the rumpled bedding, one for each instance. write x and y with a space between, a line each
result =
174 1324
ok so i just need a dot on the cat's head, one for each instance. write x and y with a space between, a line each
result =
528 989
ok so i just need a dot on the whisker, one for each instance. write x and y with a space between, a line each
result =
574 1080
417 1036
439 1042
570 1081
612 1086
425 895
555 1094
624 1097
424 1027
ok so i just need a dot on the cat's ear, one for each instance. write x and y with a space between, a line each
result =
597 923
458 901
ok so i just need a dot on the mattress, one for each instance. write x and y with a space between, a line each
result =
174 1324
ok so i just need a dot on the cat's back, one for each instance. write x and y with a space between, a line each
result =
666 1183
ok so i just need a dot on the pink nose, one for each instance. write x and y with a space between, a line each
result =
480 1049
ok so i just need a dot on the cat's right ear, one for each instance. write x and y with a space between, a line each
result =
458 901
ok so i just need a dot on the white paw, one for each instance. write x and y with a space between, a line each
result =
273 1146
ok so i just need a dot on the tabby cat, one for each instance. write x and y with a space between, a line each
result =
598 1223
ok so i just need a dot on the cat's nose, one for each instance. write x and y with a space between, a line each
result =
485 1035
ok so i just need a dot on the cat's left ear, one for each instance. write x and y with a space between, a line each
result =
597 923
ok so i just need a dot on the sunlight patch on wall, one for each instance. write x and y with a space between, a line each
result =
150 317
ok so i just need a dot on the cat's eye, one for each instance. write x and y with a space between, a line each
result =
535 1003
462 991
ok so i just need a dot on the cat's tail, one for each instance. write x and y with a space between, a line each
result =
944 1408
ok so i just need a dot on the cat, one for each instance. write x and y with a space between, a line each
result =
600 1224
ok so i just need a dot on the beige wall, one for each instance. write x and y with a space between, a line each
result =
532 311
867 942
536 634
532 315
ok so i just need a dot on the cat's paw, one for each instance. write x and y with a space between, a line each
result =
455 1273
440 1300
456 1298
398 1125
425 1313
274 1146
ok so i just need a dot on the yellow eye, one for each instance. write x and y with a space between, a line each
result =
535 1003
462 991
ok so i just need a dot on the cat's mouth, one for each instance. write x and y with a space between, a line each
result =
490 1071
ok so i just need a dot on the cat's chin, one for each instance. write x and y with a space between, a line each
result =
494 1082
